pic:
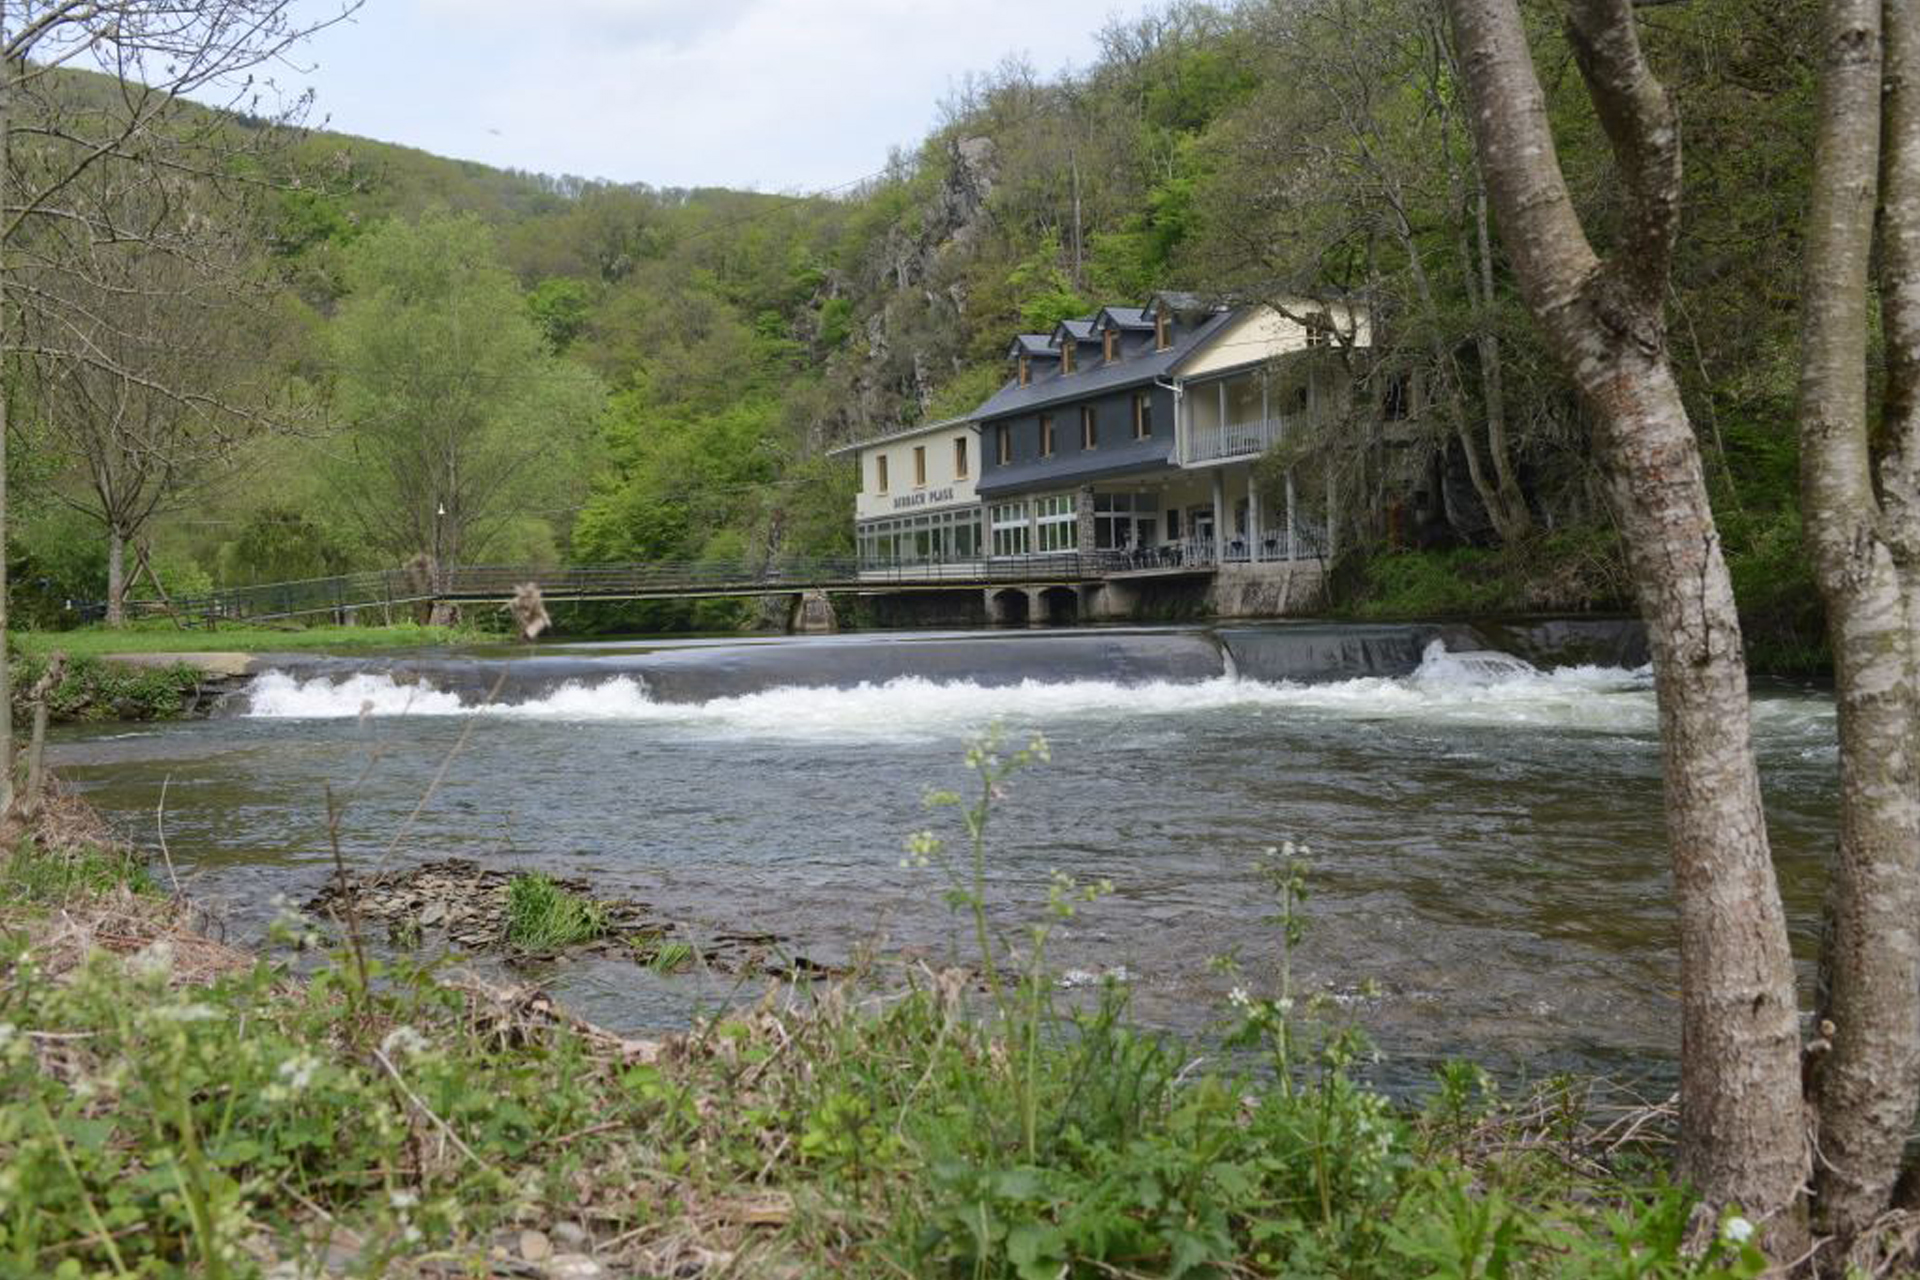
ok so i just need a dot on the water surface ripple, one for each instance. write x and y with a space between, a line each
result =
1486 836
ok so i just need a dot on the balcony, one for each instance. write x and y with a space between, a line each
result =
1205 442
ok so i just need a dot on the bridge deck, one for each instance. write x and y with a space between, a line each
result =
487 584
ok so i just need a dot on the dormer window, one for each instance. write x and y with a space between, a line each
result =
1026 370
1162 331
1319 329
1112 351
1066 354
880 473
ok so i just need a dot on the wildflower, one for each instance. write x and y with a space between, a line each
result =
1737 1229
297 1072
155 960
402 1200
403 1041
1239 998
186 1013
1284 1004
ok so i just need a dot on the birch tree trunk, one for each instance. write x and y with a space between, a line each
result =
1742 1131
1865 1083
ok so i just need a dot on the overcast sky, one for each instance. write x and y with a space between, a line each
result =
777 95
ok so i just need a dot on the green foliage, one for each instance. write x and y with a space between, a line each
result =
541 916
458 419
37 874
560 305
278 544
92 688
55 560
165 637
836 322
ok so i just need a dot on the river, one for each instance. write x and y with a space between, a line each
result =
1485 833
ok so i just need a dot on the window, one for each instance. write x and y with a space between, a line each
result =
1003 444
1125 521
1010 529
1112 347
1089 428
1066 354
1162 331
1046 435
960 457
1026 369
1142 414
1057 523
880 473
1319 329
919 465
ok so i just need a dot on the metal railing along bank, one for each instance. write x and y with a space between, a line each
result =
398 589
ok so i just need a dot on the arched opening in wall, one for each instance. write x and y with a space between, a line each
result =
1009 607
1060 606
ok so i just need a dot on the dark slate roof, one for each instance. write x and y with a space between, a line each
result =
1032 344
1123 318
1179 302
1087 464
1060 388
1081 330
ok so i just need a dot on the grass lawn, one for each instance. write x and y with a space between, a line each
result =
167 638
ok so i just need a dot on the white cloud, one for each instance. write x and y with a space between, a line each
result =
777 94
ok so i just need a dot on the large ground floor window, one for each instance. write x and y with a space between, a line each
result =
935 538
1011 529
1125 521
1055 518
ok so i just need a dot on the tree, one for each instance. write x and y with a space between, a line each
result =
142 384
1863 537
1382 201
457 418
56 125
1742 1129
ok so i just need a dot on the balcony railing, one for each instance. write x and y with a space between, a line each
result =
1211 442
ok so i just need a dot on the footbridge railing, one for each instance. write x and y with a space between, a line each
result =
392 593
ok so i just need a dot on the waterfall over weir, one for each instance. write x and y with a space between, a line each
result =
671 673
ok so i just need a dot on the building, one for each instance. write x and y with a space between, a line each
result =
1127 438
917 503
1135 431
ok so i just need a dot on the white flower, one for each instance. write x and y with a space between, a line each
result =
402 1041
402 1200
296 1073
1284 1004
155 960
1737 1229
186 1013
1239 998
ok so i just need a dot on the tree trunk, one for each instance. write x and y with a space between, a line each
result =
116 576
1742 1132
1865 1084
6 395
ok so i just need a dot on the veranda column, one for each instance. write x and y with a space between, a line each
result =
1253 517
1219 517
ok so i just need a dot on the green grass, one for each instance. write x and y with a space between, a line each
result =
541 916
50 877
166 638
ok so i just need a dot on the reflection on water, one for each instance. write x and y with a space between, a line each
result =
1486 836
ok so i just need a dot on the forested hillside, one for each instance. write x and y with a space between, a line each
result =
494 366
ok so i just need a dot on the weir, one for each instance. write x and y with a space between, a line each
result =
698 671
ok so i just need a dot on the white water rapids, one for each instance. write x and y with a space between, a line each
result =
1468 688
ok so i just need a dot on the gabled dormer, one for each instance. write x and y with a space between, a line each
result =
1114 325
1171 309
1031 354
1068 338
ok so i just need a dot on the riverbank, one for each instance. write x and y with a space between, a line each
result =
152 672
176 1102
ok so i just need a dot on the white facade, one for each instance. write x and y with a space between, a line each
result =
913 472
